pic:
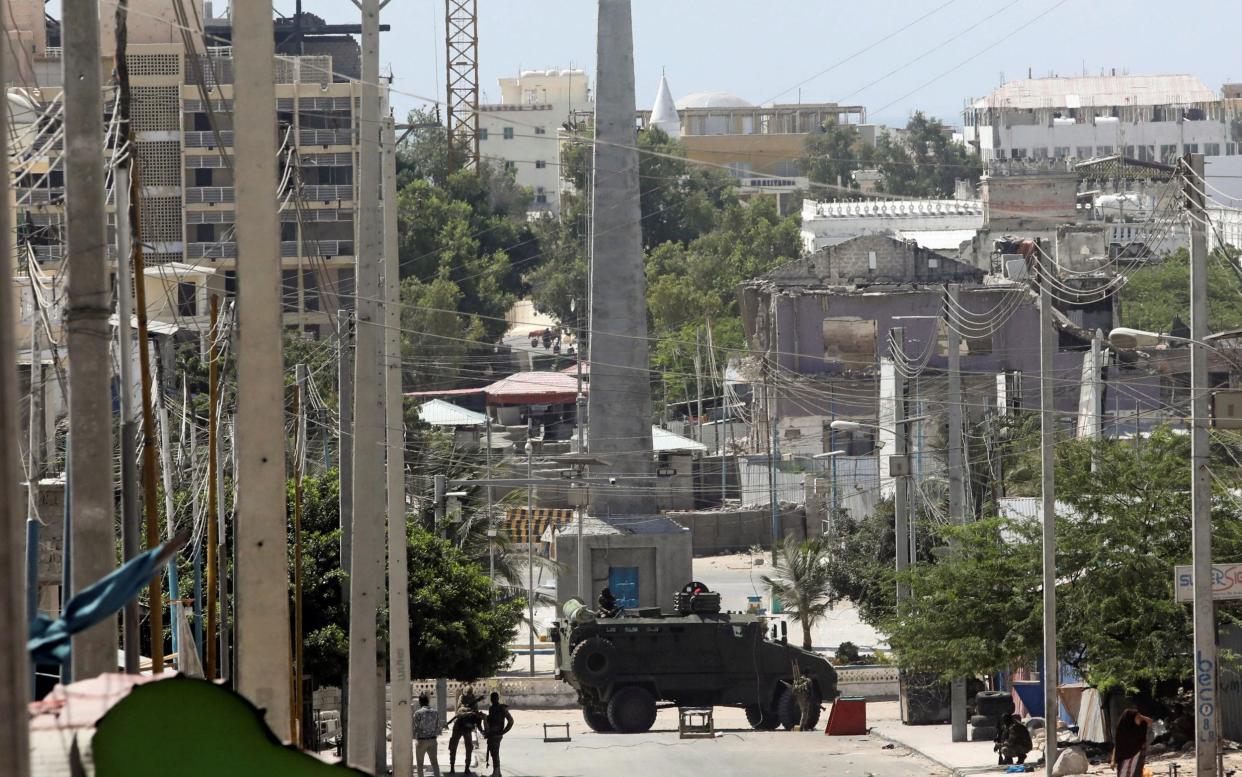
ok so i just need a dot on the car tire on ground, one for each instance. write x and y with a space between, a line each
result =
982 720
632 710
597 719
983 734
761 719
790 714
993 704
594 661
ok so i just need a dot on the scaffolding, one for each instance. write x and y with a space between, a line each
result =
462 74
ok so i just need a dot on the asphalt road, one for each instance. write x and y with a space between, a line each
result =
736 751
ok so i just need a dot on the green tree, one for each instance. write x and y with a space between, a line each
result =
458 627
325 613
833 155
925 161
1159 292
802 581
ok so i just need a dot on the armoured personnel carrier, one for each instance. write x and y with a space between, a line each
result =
626 667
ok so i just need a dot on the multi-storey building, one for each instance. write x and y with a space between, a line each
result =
1147 118
181 119
521 132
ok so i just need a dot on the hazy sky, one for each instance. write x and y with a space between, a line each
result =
765 49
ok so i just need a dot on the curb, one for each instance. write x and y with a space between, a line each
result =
967 771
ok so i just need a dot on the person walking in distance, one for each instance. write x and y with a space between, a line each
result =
497 724
426 730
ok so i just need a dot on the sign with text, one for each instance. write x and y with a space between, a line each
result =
1226 582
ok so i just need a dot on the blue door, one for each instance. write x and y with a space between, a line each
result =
624 584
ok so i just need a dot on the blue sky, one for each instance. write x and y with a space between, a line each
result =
762 50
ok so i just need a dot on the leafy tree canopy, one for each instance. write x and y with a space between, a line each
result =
1158 293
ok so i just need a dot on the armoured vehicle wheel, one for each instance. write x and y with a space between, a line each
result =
594 660
760 719
790 714
597 720
632 710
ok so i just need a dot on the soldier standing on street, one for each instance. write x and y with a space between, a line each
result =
801 687
465 722
499 722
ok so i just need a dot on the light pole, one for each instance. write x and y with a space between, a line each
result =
901 517
831 456
530 550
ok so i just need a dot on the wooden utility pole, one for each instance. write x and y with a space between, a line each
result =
155 593
213 462
366 577
398 581
89 306
261 591
14 660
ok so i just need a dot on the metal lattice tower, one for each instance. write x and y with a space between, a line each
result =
462 52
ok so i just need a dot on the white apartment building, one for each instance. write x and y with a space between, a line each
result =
1148 118
520 133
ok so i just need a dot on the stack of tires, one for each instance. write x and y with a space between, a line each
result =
989 707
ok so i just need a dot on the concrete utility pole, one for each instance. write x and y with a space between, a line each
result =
14 660
131 521
1207 721
398 580
901 507
620 398
1047 439
367 548
90 297
957 486
440 497
262 568
580 418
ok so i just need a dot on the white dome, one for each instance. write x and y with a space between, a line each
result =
712 100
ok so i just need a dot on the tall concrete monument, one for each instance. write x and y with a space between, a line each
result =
620 398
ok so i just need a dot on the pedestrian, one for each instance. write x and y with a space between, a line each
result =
426 730
467 720
499 722
1130 743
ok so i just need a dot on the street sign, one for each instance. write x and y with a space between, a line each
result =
1226 582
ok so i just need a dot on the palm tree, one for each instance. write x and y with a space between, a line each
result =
802 580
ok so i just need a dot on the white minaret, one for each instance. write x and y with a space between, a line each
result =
664 113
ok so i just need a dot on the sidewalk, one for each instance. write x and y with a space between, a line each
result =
932 742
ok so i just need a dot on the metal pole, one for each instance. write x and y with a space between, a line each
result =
225 581
580 417
261 590
398 579
1207 723
901 507
345 468
367 549
440 485
698 381
299 458
14 666
170 524
131 521
213 464
491 522
957 487
1047 438
89 305
530 550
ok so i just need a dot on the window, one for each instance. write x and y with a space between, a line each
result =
871 260
541 198
1103 150
1128 152
1147 153
932 263
540 164
508 133
510 164
1019 153
541 130
1231 149
1039 153
202 176
187 300
1168 153
1062 152
1191 148
1083 152
1211 149
204 233
483 134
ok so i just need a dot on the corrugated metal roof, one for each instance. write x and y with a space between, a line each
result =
1084 91
437 412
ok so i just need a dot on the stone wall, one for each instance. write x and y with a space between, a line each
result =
714 532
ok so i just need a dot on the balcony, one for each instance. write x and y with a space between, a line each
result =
325 137
327 193
207 139
323 248
222 250
208 195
